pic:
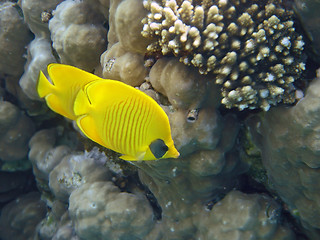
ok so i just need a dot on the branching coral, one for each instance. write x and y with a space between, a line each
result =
250 47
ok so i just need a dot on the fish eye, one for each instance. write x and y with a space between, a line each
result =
158 148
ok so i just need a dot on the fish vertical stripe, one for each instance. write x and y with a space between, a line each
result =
122 122
139 126
143 121
146 122
108 127
128 136
136 114
105 128
128 128
123 126
119 112
112 127
116 118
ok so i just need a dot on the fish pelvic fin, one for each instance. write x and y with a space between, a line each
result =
44 87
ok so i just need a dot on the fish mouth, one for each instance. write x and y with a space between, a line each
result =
172 153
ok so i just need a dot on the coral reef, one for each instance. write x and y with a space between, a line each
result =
125 66
37 14
49 157
251 47
106 213
128 25
14 36
240 175
14 183
242 216
75 170
20 217
39 56
184 88
289 143
78 34
307 10
16 129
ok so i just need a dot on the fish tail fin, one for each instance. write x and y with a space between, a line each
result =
44 87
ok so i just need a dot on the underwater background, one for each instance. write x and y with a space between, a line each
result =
240 83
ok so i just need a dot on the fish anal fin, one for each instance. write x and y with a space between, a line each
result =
54 103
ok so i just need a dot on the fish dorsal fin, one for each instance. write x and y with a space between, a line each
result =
68 73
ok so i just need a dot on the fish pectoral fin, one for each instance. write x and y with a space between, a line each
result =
139 156
128 158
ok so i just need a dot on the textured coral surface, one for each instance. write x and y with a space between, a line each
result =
290 150
251 47
240 175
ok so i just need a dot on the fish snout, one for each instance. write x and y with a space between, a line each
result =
172 152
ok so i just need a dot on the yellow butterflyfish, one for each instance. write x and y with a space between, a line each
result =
111 113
